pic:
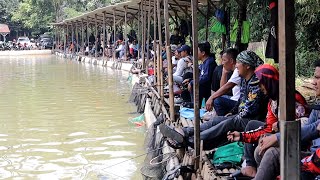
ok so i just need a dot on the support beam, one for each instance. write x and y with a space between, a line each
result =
155 57
148 31
194 7
160 58
170 68
103 42
125 33
96 39
88 36
183 10
143 43
139 29
77 40
82 37
207 21
114 35
289 128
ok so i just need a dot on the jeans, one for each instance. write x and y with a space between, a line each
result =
214 132
249 148
223 105
269 164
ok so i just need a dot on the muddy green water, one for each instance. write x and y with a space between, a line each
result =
64 120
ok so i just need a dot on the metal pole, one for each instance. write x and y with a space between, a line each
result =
104 36
96 38
168 49
290 129
148 33
160 44
194 6
125 33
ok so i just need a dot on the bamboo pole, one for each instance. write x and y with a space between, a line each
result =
148 33
168 49
194 5
125 33
290 128
160 44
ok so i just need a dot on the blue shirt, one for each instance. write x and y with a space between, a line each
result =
206 70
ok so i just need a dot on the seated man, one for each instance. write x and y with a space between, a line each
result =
223 74
205 71
232 84
183 54
252 105
269 82
268 154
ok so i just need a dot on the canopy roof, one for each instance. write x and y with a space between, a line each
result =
4 28
176 7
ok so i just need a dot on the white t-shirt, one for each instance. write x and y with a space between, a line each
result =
236 79
181 65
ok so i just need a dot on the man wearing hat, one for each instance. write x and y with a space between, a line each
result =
182 63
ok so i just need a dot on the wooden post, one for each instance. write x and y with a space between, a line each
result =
82 37
138 39
143 31
194 6
160 44
72 37
114 35
170 70
155 57
125 34
66 40
207 21
96 38
104 37
290 129
88 36
55 37
148 33
77 38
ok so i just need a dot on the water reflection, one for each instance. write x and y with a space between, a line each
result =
64 120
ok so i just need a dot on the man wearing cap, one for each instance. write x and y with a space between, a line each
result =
252 104
182 64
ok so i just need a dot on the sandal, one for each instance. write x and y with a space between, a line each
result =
171 133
